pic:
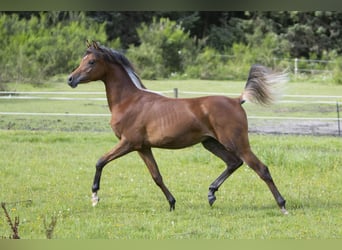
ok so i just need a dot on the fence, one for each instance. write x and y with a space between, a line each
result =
310 66
307 66
322 113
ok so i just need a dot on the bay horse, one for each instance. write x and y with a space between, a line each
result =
143 119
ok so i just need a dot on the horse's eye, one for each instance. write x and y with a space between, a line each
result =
91 62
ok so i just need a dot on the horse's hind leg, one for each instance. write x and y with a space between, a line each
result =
232 161
262 170
147 156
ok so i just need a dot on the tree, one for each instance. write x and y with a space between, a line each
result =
164 45
35 49
314 32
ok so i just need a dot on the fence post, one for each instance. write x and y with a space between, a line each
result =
338 118
296 66
175 92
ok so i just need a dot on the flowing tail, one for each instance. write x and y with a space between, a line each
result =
263 85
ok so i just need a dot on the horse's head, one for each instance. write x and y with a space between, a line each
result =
90 69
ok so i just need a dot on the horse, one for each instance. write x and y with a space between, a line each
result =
142 119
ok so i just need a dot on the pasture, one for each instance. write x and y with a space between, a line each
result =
48 163
55 171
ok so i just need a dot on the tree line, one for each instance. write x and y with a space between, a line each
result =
197 44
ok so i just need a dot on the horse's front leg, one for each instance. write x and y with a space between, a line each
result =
122 148
147 156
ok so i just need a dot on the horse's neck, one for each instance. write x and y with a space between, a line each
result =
119 88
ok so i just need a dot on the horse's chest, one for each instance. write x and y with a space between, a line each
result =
117 124
122 123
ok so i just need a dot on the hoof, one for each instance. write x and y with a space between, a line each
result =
172 205
94 199
211 199
284 211
211 195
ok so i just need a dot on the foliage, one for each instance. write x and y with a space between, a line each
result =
36 49
337 71
14 226
165 48
147 61
314 32
49 229
261 49
307 32
39 45
208 65
230 30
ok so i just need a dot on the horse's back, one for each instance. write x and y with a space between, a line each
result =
213 113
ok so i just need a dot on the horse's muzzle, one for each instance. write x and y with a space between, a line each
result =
72 83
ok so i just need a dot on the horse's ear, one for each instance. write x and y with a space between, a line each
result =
88 44
95 45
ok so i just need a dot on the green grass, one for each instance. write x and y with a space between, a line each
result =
55 171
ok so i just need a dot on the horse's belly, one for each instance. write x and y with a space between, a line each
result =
177 135
176 142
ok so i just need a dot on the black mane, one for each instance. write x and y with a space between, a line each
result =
114 56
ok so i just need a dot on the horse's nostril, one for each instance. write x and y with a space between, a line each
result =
70 79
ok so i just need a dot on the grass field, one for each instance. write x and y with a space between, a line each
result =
55 171
47 167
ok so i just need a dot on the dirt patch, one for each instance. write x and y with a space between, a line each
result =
301 127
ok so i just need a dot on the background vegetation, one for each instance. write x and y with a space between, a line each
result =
206 45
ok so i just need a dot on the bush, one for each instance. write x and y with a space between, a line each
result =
37 49
337 71
146 60
208 65
165 49
265 51
237 60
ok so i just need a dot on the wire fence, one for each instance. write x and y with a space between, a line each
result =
318 122
301 65
308 66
